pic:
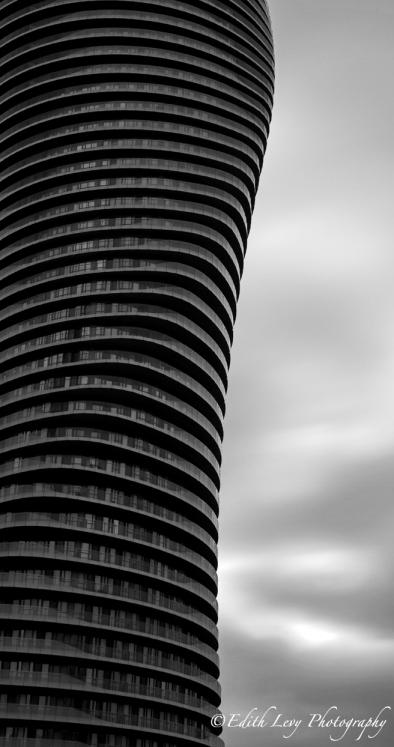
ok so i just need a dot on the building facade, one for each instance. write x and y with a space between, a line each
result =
132 135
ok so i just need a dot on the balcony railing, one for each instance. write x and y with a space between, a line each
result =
69 682
62 714
107 621
41 646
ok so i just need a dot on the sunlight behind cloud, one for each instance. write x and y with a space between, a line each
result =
339 567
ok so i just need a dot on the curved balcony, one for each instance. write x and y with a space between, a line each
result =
201 51
118 503
117 721
144 661
123 226
74 466
137 595
107 299
91 561
182 419
120 337
103 526
215 309
159 170
38 680
241 15
151 631
124 418
132 136
221 34
159 187
88 362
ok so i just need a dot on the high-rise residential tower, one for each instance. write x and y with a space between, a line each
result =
132 135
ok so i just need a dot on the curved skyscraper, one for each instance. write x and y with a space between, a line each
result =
132 135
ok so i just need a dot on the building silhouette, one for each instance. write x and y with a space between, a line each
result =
132 135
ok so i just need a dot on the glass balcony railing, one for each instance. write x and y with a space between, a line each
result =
108 622
45 713
129 502
147 596
153 657
93 685
102 528
41 550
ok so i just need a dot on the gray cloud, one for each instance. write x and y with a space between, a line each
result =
307 511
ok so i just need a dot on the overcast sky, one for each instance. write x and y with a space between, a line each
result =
307 505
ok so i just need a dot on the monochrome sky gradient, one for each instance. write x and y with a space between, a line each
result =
307 504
